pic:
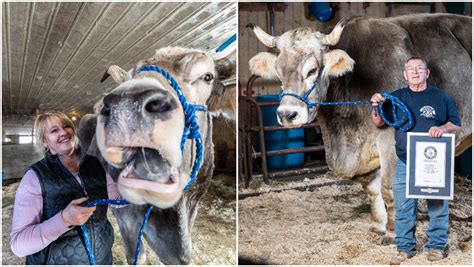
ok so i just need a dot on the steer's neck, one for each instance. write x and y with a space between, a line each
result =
348 146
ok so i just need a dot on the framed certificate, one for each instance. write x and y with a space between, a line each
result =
430 166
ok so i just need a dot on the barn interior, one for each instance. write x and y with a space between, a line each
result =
54 55
274 158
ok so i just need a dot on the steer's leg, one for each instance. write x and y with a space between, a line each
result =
388 158
379 215
130 219
387 170
167 233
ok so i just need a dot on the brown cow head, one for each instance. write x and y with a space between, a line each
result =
141 122
303 52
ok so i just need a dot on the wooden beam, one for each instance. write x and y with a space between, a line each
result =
464 145
262 7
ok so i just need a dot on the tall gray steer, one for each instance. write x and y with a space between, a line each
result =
138 128
378 48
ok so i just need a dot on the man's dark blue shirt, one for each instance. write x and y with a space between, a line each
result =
430 107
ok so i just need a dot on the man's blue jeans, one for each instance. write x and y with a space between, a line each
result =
405 217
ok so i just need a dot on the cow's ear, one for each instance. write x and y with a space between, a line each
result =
118 74
222 100
337 63
98 107
263 65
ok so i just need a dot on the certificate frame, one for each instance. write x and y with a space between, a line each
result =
430 166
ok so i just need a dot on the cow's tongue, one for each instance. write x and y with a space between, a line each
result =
149 171
150 165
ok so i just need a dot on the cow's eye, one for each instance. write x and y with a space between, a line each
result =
208 77
105 111
311 72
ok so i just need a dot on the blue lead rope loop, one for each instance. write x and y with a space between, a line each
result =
406 117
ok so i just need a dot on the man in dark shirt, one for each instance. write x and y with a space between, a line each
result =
433 112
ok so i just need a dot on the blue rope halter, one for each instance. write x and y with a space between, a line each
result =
191 131
191 125
396 103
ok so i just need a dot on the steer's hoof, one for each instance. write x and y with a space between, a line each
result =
377 231
388 240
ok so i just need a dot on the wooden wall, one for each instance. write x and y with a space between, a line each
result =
294 16
224 138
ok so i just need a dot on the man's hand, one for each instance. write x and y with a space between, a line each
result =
75 214
436 132
376 99
376 118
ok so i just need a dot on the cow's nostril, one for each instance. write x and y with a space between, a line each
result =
157 106
287 115
292 115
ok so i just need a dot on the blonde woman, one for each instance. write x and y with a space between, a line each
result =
47 213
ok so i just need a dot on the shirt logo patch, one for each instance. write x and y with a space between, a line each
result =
427 112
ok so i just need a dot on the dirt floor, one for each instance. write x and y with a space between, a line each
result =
213 235
326 221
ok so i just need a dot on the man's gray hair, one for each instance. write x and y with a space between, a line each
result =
416 58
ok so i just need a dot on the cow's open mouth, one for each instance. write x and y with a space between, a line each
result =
148 170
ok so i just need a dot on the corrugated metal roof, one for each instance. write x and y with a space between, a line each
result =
54 54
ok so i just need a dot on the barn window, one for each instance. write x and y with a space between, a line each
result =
25 139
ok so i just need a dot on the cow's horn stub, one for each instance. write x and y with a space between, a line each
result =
344 21
262 36
105 76
118 74
250 25
335 35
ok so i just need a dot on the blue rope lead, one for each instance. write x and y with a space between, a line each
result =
396 103
84 228
113 202
87 243
106 202
140 233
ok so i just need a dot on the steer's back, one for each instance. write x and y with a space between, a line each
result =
380 48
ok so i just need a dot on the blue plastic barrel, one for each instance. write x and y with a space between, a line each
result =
281 139
321 11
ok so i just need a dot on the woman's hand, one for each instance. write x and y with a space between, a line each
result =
75 214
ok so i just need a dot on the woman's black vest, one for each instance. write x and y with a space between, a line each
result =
59 188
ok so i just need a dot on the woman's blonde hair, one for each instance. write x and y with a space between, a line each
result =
41 122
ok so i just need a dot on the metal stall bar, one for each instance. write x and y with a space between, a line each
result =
247 127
